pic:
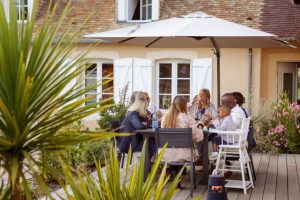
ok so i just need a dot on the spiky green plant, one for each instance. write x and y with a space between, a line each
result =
34 104
109 185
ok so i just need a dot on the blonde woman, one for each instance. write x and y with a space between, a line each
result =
202 107
178 117
132 122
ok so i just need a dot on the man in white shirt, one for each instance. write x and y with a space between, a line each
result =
237 112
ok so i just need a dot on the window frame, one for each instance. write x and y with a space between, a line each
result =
29 6
141 6
99 69
174 78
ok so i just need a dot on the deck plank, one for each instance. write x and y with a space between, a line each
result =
200 190
232 194
293 183
257 193
270 185
256 162
297 158
282 191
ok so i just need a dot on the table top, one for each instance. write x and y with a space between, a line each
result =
151 130
147 130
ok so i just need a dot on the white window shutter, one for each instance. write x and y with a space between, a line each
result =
122 10
201 75
30 7
122 77
155 9
142 75
73 81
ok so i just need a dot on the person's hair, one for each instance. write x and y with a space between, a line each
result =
207 94
229 99
239 98
225 107
139 105
179 105
134 96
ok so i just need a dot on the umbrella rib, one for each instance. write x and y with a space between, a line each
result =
122 41
153 41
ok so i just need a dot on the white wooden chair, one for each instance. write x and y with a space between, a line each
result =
236 144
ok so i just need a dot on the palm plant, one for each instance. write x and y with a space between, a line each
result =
108 184
34 102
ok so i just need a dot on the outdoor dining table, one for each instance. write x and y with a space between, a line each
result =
150 133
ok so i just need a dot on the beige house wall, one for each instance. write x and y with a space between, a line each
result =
234 64
270 60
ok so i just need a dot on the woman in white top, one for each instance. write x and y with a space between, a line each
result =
202 107
178 117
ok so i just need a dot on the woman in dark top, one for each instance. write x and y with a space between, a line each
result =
133 122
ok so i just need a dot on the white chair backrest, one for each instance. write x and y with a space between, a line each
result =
245 129
238 137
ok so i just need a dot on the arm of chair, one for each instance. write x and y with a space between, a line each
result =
236 132
231 137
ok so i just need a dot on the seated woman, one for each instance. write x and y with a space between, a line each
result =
202 107
178 117
132 122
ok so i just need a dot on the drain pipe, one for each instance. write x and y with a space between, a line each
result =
250 56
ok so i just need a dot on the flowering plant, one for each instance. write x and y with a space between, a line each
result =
284 129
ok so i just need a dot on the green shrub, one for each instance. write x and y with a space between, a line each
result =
284 129
277 127
261 126
77 156
114 113
99 150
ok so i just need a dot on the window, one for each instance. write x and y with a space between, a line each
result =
99 71
137 10
23 10
173 79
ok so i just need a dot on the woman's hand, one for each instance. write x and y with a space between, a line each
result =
145 124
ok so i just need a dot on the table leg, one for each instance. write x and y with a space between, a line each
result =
205 159
147 158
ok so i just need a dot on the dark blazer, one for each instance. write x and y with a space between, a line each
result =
131 123
250 138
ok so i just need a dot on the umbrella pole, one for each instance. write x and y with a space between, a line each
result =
218 55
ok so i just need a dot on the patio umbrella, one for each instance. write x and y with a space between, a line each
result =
196 30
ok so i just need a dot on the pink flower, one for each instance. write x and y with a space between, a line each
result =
279 129
285 113
294 107
276 143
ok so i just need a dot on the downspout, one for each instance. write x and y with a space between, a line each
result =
250 56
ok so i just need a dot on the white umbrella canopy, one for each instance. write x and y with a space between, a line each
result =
196 30
191 31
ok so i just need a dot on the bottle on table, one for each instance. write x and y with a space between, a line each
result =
154 119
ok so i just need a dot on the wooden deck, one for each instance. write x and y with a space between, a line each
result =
278 177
